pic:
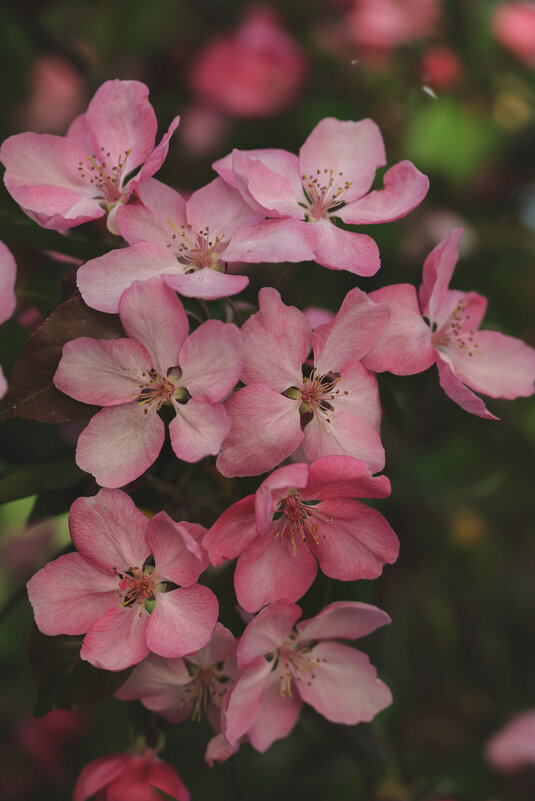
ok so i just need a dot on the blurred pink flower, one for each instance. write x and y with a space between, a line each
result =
441 67
256 71
386 24
514 26
8 273
202 129
57 95
513 746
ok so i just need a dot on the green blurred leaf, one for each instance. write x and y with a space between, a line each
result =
22 481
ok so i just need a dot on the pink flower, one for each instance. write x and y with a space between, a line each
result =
130 588
441 67
256 71
514 26
386 24
330 180
187 244
129 776
334 409
486 361
132 378
302 513
57 95
8 273
63 181
513 746
193 686
285 664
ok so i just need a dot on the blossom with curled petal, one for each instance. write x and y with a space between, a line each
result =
286 663
441 326
132 378
131 587
63 181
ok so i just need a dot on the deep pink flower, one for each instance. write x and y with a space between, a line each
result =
111 592
132 378
386 24
441 67
187 243
486 361
330 179
63 181
513 746
302 513
337 401
129 776
255 71
514 27
285 664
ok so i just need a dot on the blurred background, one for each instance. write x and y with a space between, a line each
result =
451 84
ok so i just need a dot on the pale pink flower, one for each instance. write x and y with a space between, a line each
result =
513 746
118 588
333 409
57 95
443 328
514 26
8 273
285 664
255 71
187 244
63 181
300 515
330 179
387 24
132 378
129 776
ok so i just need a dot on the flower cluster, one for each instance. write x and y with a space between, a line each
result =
274 395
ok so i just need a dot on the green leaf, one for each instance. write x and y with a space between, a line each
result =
163 793
62 679
32 393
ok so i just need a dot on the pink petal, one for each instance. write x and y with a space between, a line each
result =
221 209
207 284
69 594
145 773
405 346
345 688
501 366
56 207
222 646
211 360
334 477
343 620
354 330
98 774
267 631
121 119
34 160
176 554
266 429
103 372
272 241
513 746
233 532
404 188
156 682
219 749
338 249
275 487
8 273
149 220
270 571
197 533
152 314
109 531
183 620
282 335
465 309
117 640
198 429
277 717
357 543
354 148
280 161
156 158
268 191
437 272
120 443
102 281
362 398
347 435
245 700
456 390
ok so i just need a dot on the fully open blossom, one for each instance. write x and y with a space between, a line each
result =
8 273
330 179
129 776
514 26
513 747
131 588
332 409
285 663
486 361
187 243
132 378
63 181
255 71
299 515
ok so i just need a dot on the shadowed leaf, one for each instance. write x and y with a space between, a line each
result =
24 480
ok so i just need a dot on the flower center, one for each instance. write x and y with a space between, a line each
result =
208 686
300 519
137 586
107 179
324 193
317 394
160 390
197 249
297 663
454 332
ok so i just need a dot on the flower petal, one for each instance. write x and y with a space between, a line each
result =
404 188
268 191
343 620
233 532
347 435
277 717
198 429
273 489
117 640
98 774
211 360
339 249
459 393
183 621
150 220
245 700
8 272
221 209
267 631
437 272
335 477
207 284
177 556
272 241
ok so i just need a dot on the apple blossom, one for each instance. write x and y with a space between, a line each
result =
513 746
8 273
